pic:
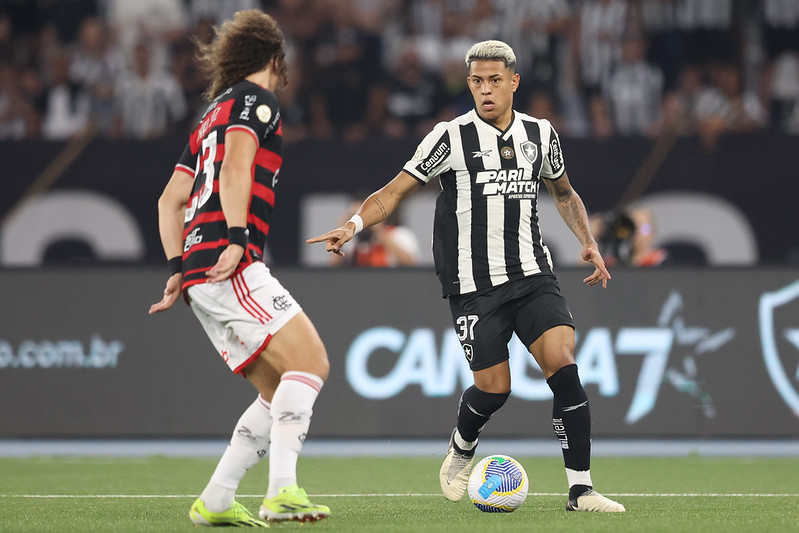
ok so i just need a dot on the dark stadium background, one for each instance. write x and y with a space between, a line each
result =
80 258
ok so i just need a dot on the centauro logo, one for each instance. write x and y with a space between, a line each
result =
511 182
555 155
435 157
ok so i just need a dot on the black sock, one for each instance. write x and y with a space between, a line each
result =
571 417
578 490
475 409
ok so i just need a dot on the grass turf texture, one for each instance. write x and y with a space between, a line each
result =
402 494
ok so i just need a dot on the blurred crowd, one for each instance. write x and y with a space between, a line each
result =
359 68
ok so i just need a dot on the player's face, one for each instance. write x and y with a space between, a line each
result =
492 86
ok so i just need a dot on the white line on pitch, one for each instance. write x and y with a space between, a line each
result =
415 495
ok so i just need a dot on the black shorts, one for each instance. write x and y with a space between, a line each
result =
486 320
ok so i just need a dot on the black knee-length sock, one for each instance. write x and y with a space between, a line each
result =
475 409
571 417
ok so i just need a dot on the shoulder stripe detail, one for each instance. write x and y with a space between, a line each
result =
183 168
242 127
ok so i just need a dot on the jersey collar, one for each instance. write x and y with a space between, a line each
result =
495 129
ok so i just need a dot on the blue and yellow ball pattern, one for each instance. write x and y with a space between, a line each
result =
498 484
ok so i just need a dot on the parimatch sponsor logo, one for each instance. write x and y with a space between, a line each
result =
513 183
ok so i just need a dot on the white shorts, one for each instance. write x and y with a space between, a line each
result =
241 314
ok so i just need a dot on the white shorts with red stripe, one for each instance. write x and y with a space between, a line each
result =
241 314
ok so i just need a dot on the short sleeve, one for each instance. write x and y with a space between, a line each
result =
256 110
553 166
432 156
187 162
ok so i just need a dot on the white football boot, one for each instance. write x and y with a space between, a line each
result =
591 500
454 474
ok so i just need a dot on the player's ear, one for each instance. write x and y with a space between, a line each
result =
514 83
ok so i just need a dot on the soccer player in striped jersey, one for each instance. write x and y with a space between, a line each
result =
214 215
493 266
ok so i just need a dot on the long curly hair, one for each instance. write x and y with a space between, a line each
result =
242 46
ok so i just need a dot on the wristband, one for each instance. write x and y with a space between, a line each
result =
238 235
175 265
358 221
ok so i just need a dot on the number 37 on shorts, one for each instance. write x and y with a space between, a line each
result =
464 326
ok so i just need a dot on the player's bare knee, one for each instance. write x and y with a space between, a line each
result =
552 365
321 364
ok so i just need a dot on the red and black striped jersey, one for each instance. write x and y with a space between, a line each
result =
248 107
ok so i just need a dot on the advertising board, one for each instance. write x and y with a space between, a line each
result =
666 353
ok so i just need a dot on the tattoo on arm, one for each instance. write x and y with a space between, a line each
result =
573 211
383 213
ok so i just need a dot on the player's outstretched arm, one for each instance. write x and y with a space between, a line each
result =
376 208
572 210
171 212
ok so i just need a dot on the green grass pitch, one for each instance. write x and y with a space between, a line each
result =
368 494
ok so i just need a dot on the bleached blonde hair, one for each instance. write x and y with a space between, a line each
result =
491 51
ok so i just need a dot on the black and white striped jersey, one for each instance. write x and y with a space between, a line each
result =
486 228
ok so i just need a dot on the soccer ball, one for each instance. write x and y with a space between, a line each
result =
498 484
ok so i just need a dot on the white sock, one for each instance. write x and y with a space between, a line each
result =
292 406
579 477
463 444
248 444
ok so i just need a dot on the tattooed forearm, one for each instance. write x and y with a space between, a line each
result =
383 212
572 210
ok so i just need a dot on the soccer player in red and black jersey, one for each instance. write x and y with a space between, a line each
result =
214 217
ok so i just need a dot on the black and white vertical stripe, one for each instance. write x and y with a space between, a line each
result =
484 240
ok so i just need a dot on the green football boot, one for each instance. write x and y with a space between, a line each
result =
237 515
292 503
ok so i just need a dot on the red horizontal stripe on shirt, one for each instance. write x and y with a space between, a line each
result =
262 226
203 218
207 245
268 160
189 273
264 193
